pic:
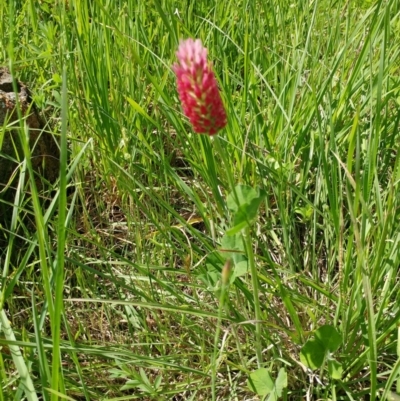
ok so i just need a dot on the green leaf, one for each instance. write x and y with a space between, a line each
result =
244 202
140 110
260 382
240 269
312 353
144 377
280 384
329 337
335 369
232 247
211 277
237 228
157 382
57 78
130 384
244 195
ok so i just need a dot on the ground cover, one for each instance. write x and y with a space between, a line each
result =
137 275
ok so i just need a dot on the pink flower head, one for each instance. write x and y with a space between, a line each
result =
198 89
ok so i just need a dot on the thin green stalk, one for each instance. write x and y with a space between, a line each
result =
250 255
222 152
256 300
214 362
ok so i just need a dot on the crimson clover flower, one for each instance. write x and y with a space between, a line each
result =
198 89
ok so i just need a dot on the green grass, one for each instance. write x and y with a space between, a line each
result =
117 293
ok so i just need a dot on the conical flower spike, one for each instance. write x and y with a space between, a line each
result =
198 89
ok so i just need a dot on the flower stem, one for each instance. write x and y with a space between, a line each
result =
249 253
227 165
254 279
214 361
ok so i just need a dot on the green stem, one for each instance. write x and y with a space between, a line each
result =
249 252
214 363
227 165
254 279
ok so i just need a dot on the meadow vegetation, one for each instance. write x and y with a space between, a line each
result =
141 273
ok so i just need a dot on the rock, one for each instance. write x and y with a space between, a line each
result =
44 148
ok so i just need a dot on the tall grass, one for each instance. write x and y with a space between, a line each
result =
117 293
